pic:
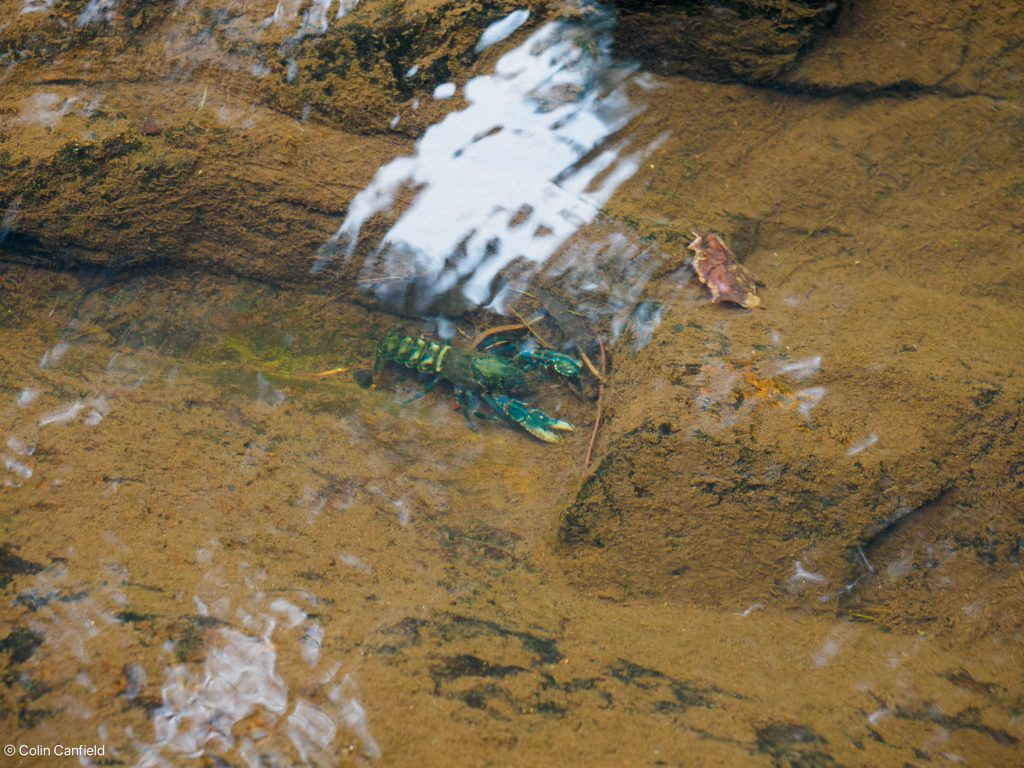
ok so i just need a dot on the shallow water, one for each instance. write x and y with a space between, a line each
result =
797 542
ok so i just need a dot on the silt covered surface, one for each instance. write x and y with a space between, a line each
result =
798 542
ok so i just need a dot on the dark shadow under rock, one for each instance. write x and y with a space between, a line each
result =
736 40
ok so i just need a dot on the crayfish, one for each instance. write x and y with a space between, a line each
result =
489 374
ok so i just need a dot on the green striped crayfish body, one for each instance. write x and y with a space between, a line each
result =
489 376
412 352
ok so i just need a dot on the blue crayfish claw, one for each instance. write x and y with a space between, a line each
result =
533 420
552 361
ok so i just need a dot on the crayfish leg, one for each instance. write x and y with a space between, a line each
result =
463 397
426 389
501 345
554 362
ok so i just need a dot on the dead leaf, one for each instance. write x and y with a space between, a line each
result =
717 268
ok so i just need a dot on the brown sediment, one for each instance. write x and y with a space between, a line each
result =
734 582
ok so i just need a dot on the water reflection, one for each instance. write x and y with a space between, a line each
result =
509 179
726 391
200 711
236 701
37 6
97 11
247 674
360 561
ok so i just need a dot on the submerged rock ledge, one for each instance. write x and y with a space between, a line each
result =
229 141
232 137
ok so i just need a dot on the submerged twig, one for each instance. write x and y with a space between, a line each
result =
590 366
388 278
600 405
481 337
327 301
529 327
332 372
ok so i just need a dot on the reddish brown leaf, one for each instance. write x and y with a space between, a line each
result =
717 268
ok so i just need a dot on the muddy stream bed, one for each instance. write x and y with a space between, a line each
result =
798 537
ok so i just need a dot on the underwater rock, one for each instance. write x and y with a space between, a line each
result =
910 47
745 40
224 135
725 472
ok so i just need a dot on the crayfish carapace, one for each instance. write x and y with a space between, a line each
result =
489 374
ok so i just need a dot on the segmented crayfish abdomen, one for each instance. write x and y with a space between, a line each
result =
412 352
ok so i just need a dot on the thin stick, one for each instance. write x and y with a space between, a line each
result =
504 550
600 405
388 278
327 301
526 322
591 368
332 372
484 335
525 293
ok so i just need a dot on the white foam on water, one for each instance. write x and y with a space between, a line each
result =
828 651
862 445
808 400
99 411
197 710
9 217
292 613
65 415
37 6
444 91
267 393
285 12
877 715
97 10
404 511
311 730
18 446
18 468
355 715
750 610
801 369
802 574
27 396
46 109
504 179
54 355
356 563
314 20
502 29
312 641
346 7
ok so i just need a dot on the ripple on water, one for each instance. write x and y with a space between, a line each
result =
548 118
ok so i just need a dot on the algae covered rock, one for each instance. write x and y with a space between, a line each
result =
734 468
751 40
229 136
